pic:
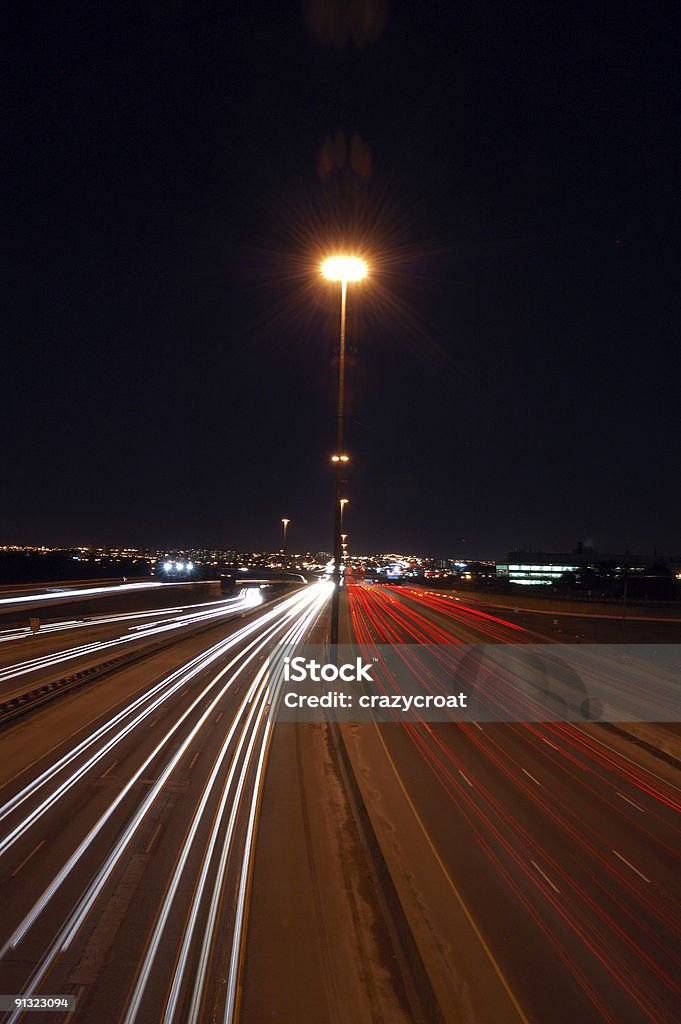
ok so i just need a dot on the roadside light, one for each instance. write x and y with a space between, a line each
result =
340 458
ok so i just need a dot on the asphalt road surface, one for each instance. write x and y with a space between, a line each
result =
553 846
166 854
128 816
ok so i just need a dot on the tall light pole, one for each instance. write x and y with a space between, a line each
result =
284 524
344 269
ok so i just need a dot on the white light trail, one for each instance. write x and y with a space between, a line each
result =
170 685
293 636
198 664
222 608
82 592
252 710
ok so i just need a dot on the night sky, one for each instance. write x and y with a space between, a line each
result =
509 170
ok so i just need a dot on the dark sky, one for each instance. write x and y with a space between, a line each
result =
176 170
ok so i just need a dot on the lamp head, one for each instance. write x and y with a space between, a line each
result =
344 268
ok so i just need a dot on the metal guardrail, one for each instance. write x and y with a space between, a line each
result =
32 699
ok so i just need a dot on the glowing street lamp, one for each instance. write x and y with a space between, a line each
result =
344 269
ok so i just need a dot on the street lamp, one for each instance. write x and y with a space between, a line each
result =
284 524
345 269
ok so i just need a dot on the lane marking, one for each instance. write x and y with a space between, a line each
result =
466 779
623 797
549 743
72 1013
151 844
630 865
109 769
195 758
219 716
27 858
545 876
531 777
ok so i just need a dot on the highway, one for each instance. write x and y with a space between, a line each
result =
128 811
557 853
65 645
167 854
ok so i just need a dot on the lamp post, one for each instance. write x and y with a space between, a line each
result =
344 269
284 524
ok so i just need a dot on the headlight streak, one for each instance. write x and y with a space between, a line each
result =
152 629
253 709
625 917
170 685
25 632
198 664
181 680
179 677
78 915
35 664
108 726
243 881
145 972
294 636
83 592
